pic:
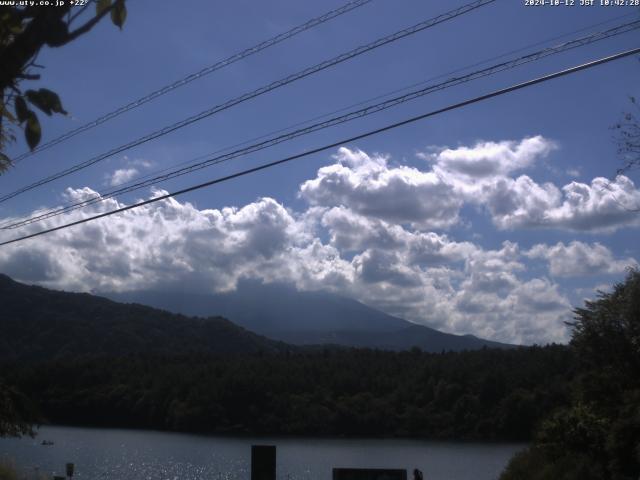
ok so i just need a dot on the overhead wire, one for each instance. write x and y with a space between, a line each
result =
325 147
383 95
352 5
209 161
456 12
386 94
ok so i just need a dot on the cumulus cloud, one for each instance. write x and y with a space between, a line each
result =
159 244
425 277
130 170
488 159
481 175
350 231
601 206
370 186
371 230
579 259
121 175
524 311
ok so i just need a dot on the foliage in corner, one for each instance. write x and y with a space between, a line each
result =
24 30
598 435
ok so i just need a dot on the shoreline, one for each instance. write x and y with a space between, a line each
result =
281 437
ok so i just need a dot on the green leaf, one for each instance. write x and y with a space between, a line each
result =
5 112
102 5
11 21
5 162
46 100
32 131
22 112
119 13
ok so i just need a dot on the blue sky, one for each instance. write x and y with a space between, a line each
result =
557 132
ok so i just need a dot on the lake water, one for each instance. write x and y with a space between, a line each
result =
104 454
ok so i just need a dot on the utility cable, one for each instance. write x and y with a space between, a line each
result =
260 91
491 70
370 133
196 75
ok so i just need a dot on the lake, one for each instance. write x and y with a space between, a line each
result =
103 454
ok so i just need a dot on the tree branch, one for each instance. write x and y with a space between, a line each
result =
79 12
29 76
89 25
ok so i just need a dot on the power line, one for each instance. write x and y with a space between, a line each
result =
491 70
260 91
383 95
392 126
196 75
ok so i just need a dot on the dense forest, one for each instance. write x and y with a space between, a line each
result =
596 436
486 394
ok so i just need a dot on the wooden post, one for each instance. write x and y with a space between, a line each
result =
263 462
369 474
70 467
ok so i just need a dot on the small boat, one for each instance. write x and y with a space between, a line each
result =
47 442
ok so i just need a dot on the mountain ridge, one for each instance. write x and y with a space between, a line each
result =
39 323
307 318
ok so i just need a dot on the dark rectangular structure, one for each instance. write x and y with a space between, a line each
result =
369 474
263 462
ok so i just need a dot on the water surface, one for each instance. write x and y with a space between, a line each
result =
103 454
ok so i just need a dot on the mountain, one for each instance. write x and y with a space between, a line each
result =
37 323
283 313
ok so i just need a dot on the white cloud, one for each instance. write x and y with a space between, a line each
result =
121 175
158 244
519 203
601 206
579 259
131 169
139 162
488 159
369 186
350 231
531 311
574 172
481 175
589 294
422 276
368 233
478 175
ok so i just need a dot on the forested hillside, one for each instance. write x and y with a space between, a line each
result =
38 324
486 394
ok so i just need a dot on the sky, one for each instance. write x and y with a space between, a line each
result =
496 219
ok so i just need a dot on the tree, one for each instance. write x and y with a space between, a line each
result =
627 136
606 332
24 30
17 412
598 435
